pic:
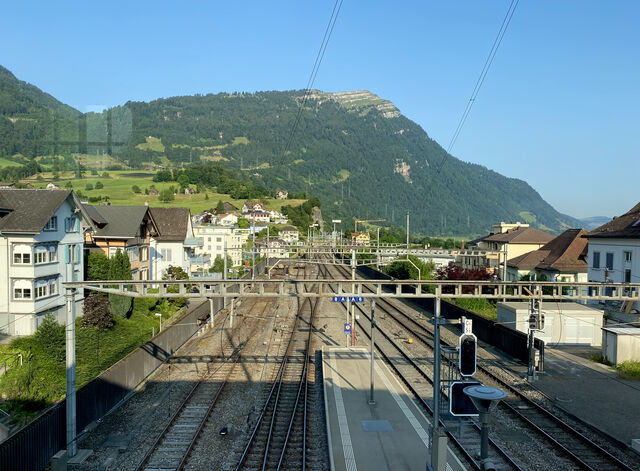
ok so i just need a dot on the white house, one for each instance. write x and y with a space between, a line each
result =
289 234
227 219
253 206
614 249
278 218
41 247
214 238
175 244
275 248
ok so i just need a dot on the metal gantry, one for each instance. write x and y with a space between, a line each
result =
436 289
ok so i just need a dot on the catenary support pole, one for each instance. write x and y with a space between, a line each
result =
72 446
407 234
353 292
224 272
438 439
211 312
373 327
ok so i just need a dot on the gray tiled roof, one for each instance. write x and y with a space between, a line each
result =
31 209
172 223
122 221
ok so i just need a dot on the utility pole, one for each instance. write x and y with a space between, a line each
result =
268 247
378 252
72 446
353 292
407 234
253 254
373 326
224 273
438 438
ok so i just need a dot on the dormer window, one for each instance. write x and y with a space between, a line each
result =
52 224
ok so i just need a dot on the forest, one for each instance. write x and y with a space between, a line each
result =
362 159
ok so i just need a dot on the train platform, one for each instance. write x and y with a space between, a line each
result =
391 434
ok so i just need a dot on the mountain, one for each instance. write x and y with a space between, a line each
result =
353 150
594 222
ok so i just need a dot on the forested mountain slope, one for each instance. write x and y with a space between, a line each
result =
355 151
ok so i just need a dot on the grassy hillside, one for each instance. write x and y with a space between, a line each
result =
354 150
118 188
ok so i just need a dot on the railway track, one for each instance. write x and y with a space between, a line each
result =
172 447
278 440
565 440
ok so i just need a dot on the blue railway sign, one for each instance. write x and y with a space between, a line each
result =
347 329
344 299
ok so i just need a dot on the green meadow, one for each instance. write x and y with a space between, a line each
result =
118 188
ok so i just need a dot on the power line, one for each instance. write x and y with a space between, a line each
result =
314 71
483 74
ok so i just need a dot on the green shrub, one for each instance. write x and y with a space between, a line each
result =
629 370
99 186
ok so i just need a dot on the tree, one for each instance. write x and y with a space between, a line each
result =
136 189
206 196
51 337
218 264
97 266
97 312
68 185
175 273
88 187
166 196
99 186
183 181
219 207
243 223
120 269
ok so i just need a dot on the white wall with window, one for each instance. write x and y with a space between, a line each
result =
33 266
617 260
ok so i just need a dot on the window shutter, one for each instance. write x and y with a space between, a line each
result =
77 259
68 254
76 224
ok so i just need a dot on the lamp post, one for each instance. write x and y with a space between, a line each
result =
160 319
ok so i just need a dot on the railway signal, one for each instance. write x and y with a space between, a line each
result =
467 355
461 405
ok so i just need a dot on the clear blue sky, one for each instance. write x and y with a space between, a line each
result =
558 109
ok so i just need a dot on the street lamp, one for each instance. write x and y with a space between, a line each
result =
160 319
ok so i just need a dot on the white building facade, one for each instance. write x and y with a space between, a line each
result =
213 240
41 247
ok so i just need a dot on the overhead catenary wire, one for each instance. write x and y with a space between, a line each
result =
314 72
483 74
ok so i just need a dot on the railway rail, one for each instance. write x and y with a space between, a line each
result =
567 441
278 440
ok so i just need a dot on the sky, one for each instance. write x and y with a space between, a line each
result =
558 108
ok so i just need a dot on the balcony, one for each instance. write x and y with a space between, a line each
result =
193 242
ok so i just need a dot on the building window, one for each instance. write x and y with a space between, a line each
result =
72 224
52 224
219 248
218 239
144 254
133 254
627 256
596 260
53 254
41 257
609 264
22 293
42 291
627 276
166 255
112 251
22 254
53 286
22 289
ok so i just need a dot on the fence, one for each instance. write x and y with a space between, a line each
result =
32 447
